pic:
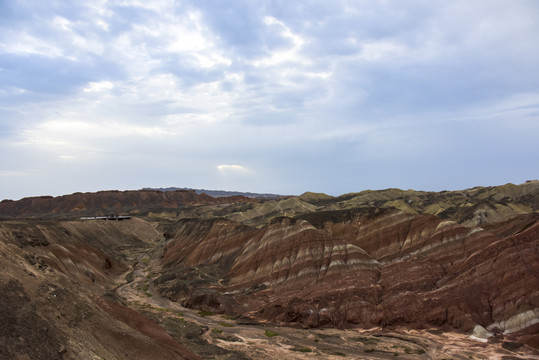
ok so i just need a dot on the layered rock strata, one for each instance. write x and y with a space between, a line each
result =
106 202
366 267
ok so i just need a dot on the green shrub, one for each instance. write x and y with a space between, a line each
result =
205 313
366 340
270 333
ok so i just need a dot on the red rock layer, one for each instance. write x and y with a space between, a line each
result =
368 267
105 202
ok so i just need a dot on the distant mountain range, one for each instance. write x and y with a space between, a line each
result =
221 193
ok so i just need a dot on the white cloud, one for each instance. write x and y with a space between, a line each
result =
22 43
229 82
73 131
98 86
292 54
232 168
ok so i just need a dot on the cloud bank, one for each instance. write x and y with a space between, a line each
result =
330 97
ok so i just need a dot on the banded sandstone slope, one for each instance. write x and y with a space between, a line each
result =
461 260
464 261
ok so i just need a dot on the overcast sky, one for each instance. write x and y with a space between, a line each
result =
267 96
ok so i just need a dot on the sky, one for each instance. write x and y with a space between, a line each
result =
267 96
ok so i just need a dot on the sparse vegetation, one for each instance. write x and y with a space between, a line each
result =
144 288
224 324
270 333
366 340
146 261
205 313
216 331
150 307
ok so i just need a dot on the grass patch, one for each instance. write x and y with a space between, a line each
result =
224 324
366 340
205 313
270 333
216 331
303 350
146 261
144 306
144 288
228 317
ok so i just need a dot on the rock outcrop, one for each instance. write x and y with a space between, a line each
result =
361 267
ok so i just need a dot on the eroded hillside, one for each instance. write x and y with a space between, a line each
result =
377 274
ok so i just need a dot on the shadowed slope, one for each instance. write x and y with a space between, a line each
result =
56 292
